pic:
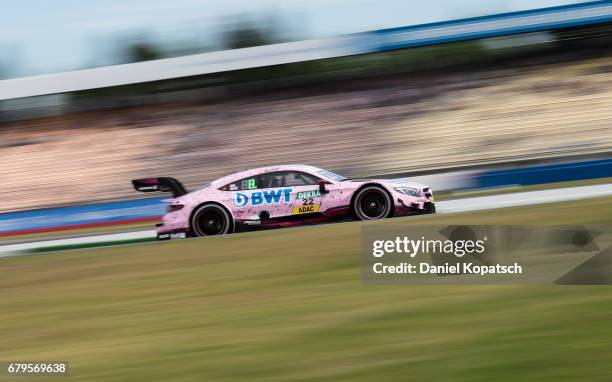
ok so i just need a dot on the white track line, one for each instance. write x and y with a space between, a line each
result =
523 198
444 207
11 249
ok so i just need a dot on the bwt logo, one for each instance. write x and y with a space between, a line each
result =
263 197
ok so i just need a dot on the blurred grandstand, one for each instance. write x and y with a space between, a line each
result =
384 113
369 127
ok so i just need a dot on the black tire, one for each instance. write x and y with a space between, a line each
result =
211 220
372 203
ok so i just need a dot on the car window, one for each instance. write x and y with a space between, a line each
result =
331 175
249 183
287 179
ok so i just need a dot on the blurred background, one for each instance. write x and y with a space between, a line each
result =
478 99
94 95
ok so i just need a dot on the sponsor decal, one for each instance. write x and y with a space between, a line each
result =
308 194
305 209
240 199
175 235
262 197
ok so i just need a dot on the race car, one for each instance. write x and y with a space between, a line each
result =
281 196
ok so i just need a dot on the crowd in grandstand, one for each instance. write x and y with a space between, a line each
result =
368 127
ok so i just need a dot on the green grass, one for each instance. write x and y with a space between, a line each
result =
288 305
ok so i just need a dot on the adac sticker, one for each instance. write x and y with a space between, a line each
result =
262 197
305 209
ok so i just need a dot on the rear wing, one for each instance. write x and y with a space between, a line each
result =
161 185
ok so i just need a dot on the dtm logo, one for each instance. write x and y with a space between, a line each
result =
261 197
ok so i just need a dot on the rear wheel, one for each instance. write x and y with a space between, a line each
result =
372 203
211 220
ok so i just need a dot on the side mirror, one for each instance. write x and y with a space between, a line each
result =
322 184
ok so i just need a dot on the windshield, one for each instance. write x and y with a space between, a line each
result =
331 175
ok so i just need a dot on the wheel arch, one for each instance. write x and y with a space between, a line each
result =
369 184
212 202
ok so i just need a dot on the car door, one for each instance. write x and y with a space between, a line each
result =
246 197
260 196
302 187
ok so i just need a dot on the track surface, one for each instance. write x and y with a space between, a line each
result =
443 207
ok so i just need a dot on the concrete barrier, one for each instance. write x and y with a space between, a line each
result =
550 173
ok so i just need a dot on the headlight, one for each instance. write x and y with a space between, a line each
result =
408 191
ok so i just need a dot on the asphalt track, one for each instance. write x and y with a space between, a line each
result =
443 207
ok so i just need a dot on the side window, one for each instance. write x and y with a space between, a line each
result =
249 183
287 179
297 178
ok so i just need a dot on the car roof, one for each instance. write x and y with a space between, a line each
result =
262 170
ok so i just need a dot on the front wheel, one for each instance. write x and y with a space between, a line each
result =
211 220
372 203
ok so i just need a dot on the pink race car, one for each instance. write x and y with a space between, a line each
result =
282 196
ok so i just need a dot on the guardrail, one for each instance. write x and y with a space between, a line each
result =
82 216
